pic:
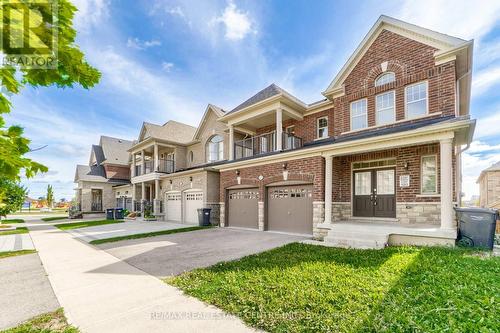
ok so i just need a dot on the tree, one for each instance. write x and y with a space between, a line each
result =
13 196
69 68
50 196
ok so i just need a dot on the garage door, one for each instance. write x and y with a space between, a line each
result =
193 201
174 207
243 208
289 209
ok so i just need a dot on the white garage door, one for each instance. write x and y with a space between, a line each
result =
193 201
174 207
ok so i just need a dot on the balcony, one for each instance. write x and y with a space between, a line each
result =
164 166
265 143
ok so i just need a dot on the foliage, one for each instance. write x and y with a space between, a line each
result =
146 235
84 224
12 196
52 322
71 69
307 288
50 196
6 254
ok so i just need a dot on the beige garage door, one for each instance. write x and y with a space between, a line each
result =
174 207
193 201
289 209
243 208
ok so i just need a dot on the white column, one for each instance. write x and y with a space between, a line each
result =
156 201
446 148
231 142
143 164
133 197
279 129
328 188
156 161
143 195
133 165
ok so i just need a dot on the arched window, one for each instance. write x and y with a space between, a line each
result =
215 149
385 78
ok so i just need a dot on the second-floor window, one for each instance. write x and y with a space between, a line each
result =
322 128
385 108
359 117
416 100
215 149
385 78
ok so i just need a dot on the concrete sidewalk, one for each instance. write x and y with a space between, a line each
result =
16 242
100 293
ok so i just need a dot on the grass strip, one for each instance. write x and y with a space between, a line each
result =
85 224
18 230
146 235
54 218
6 254
52 322
9 221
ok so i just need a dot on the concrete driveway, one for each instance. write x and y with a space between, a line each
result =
173 254
88 234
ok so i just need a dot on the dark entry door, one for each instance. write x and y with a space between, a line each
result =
374 193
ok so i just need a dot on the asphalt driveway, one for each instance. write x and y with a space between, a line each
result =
168 255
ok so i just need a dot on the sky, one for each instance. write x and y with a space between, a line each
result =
163 60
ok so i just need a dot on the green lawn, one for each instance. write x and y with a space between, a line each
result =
52 322
54 218
9 221
145 235
84 224
6 254
18 230
307 288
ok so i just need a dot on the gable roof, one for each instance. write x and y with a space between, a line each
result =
113 150
442 42
494 167
210 107
94 173
170 131
97 153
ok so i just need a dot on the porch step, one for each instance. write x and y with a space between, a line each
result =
356 236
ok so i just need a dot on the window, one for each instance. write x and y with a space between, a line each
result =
191 156
363 183
429 175
385 108
215 149
416 100
385 78
359 119
322 128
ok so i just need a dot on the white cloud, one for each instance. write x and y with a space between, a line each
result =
484 80
237 24
176 11
485 126
90 14
136 43
479 157
167 66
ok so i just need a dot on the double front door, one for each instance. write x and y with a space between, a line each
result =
374 193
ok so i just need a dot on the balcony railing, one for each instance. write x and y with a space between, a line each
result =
264 143
164 166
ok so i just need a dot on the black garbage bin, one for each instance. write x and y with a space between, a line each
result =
110 214
204 216
118 213
476 227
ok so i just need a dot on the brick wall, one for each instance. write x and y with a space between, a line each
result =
117 172
342 173
307 169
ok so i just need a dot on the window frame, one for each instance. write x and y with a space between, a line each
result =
426 82
324 127
384 74
393 108
220 144
350 114
422 175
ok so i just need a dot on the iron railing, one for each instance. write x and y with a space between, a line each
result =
96 207
138 170
265 143
166 165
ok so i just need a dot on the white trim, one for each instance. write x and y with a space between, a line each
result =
393 107
426 97
318 128
376 167
366 114
427 194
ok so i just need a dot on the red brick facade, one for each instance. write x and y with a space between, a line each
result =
410 156
117 172
310 170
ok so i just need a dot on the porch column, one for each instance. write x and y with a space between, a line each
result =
143 195
328 188
156 157
143 164
446 147
133 165
133 197
231 142
279 129
156 201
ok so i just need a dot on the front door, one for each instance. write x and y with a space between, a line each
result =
374 193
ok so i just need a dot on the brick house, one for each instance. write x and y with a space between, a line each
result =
489 187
